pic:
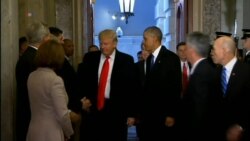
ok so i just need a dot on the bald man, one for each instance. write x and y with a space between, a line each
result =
235 86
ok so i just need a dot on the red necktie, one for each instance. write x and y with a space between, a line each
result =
184 77
102 84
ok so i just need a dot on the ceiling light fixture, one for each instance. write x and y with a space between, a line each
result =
127 8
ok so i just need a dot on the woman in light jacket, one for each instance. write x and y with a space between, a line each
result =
50 119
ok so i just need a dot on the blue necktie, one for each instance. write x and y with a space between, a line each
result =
152 62
224 81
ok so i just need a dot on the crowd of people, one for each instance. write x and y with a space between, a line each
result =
198 93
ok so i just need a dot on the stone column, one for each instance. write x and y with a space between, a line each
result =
9 55
211 17
64 17
78 30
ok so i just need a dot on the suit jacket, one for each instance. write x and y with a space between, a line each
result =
160 95
198 102
109 123
24 67
69 75
50 119
140 72
235 105
247 58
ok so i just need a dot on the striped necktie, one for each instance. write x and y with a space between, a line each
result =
224 81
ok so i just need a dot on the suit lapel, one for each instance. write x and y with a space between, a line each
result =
159 58
232 79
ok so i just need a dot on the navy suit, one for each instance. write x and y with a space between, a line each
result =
109 123
234 107
160 96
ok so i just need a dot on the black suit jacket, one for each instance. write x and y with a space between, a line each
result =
160 95
69 75
24 67
140 73
120 105
235 105
198 102
247 58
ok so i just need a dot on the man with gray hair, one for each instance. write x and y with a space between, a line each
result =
201 88
36 33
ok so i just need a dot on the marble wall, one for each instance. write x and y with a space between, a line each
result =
211 17
9 55
64 17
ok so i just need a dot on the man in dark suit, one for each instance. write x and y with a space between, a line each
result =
69 77
246 40
161 90
198 99
36 34
185 65
109 116
235 85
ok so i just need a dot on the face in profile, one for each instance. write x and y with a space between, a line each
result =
68 47
61 38
217 52
148 42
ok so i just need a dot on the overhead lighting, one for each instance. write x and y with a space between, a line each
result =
114 17
127 8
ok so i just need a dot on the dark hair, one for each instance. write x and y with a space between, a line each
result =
50 54
154 31
22 40
55 31
180 44
93 46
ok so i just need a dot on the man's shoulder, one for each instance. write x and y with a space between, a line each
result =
124 55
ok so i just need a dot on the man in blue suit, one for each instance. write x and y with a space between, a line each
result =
235 85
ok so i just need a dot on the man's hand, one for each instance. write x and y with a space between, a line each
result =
74 117
169 121
234 133
130 121
86 104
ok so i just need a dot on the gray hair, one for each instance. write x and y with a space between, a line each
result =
36 31
200 42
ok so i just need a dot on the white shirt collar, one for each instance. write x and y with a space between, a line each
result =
195 65
229 67
248 52
66 57
33 47
156 52
112 56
